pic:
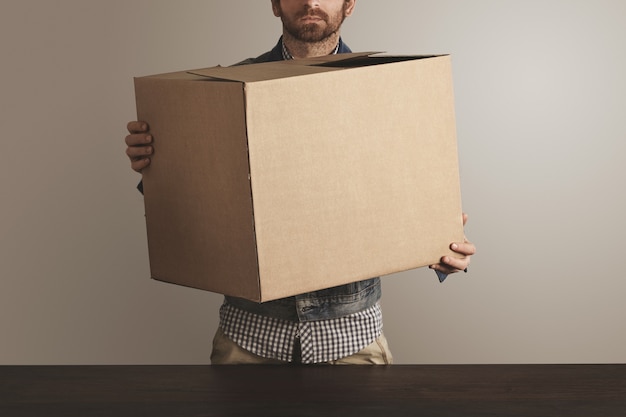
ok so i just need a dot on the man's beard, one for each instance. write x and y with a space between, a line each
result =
312 32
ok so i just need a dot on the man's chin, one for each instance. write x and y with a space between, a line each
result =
313 34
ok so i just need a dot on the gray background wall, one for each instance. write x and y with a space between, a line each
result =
541 99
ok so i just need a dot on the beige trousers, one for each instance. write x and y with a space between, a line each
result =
227 352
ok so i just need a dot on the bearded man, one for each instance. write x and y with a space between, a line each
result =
340 325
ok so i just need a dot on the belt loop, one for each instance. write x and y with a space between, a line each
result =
297 352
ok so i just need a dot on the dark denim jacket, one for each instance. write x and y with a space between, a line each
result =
324 304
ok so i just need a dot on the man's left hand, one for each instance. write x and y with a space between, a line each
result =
452 264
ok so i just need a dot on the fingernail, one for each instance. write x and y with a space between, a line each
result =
454 246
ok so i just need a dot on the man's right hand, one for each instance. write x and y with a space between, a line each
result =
139 142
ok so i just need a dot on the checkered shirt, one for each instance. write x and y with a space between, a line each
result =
320 341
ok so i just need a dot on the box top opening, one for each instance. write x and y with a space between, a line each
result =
364 61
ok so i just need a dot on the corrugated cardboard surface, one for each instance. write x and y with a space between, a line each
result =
197 190
323 178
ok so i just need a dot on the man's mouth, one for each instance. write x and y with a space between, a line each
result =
313 16
308 19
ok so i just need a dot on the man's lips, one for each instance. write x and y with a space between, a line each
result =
311 19
313 16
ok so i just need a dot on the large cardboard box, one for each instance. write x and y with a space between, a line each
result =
274 179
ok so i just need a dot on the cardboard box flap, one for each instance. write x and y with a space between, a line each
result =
280 69
258 72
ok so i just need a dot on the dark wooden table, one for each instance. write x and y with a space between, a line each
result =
382 391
